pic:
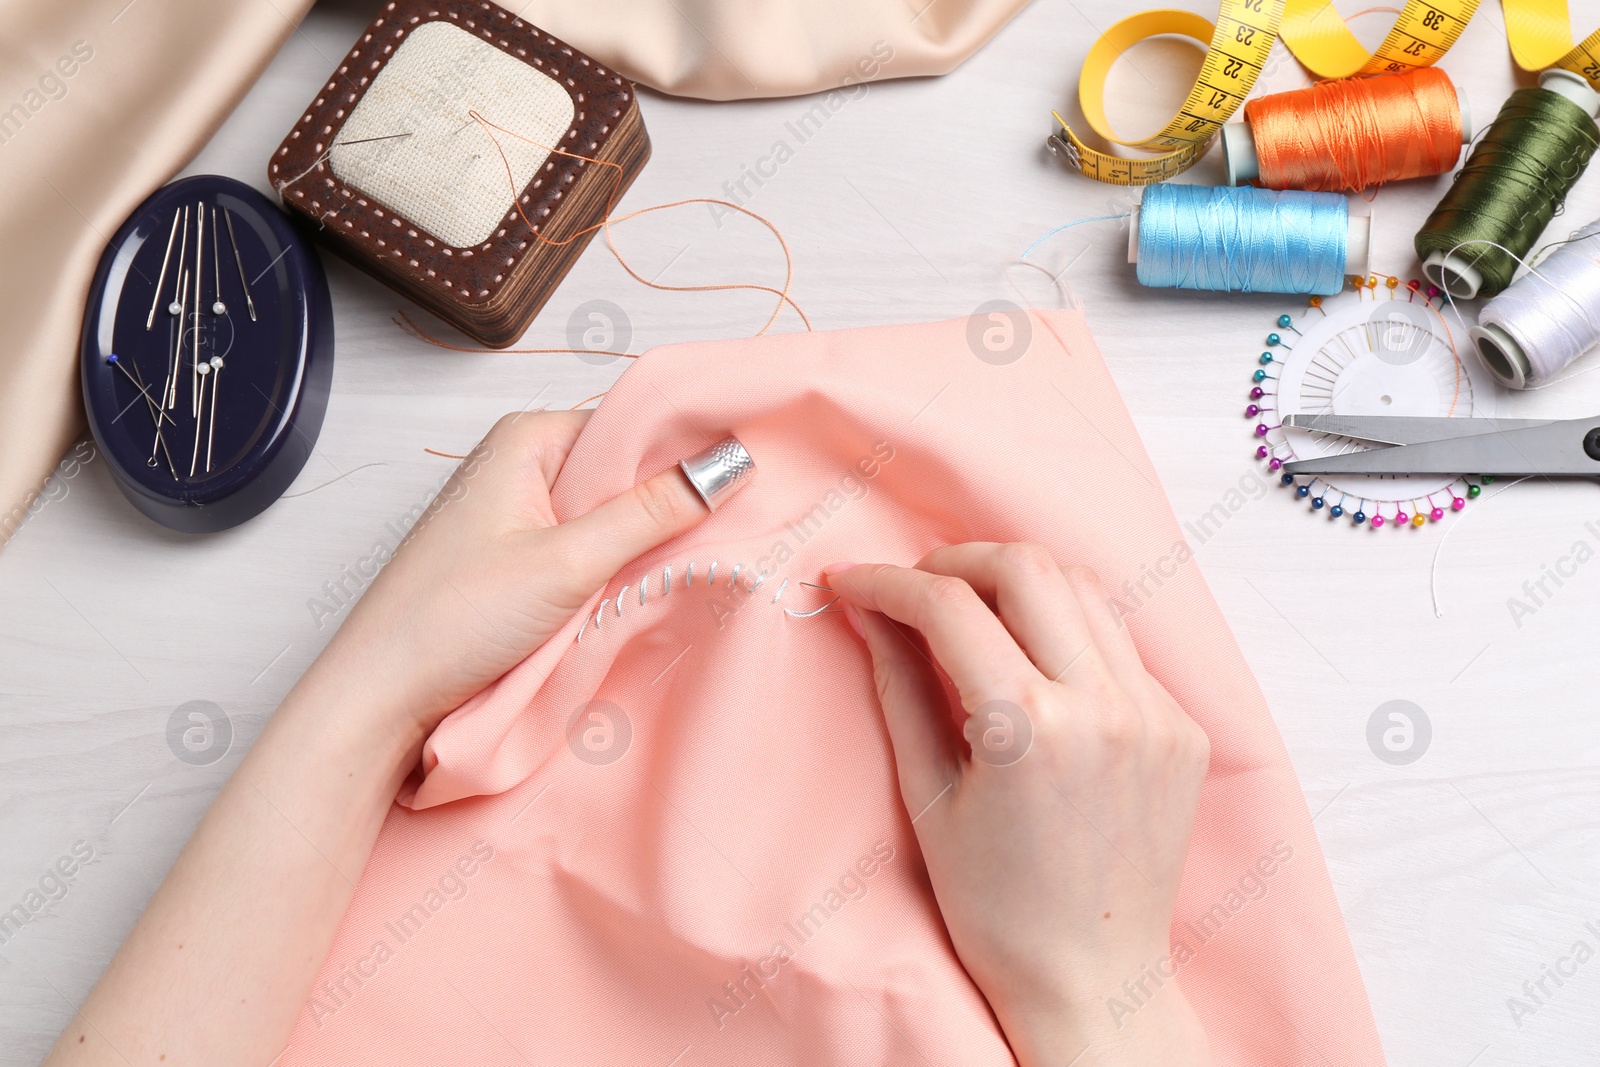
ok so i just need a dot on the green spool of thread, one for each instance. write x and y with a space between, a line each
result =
1513 183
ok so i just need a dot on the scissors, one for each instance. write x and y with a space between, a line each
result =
1441 445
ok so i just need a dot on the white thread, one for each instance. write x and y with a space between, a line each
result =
598 615
1550 310
810 614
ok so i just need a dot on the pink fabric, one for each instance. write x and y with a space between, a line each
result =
741 883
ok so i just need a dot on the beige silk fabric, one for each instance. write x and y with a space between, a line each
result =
735 49
101 103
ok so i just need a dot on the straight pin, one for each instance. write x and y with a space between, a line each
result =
160 440
178 294
194 363
155 298
150 401
216 384
169 392
201 372
217 306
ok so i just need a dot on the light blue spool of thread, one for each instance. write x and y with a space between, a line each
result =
1247 240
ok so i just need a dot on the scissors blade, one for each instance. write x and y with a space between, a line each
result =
1551 448
1405 429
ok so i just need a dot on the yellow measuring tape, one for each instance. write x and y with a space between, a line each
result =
1241 39
1541 36
1238 47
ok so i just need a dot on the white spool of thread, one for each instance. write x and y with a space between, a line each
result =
1547 318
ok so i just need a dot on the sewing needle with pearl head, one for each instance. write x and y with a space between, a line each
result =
176 306
217 306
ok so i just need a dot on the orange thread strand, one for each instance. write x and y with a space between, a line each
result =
605 224
1346 135
401 319
585 400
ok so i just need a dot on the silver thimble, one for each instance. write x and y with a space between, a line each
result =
719 471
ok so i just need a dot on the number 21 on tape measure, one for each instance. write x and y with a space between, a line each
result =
1238 45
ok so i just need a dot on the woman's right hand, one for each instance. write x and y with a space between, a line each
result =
1055 835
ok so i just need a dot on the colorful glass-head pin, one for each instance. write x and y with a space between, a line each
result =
1393 282
1473 491
1259 376
1414 284
1418 519
1302 491
1272 340
1266 357
1287 479
1257 393
1401 519
1316 503
1335 511
1261 452
1456 504
1274 463
1316 301
1436 514
1433 291
1359 517
1251 411
1377 521
1261 429
1285 320
1372 281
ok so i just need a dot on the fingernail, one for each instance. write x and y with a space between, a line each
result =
854 620
719 472
835 568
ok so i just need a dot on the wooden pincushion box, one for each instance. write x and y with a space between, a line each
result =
400 177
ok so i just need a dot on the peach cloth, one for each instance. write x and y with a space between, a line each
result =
741 882
733 49
104 101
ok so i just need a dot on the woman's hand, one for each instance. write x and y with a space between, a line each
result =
256 896
1055 832
486 575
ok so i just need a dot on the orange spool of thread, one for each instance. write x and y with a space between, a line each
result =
1341 136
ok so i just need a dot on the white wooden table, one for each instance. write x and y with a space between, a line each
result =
1462 875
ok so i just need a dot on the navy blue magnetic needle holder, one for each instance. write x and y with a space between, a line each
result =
232 356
